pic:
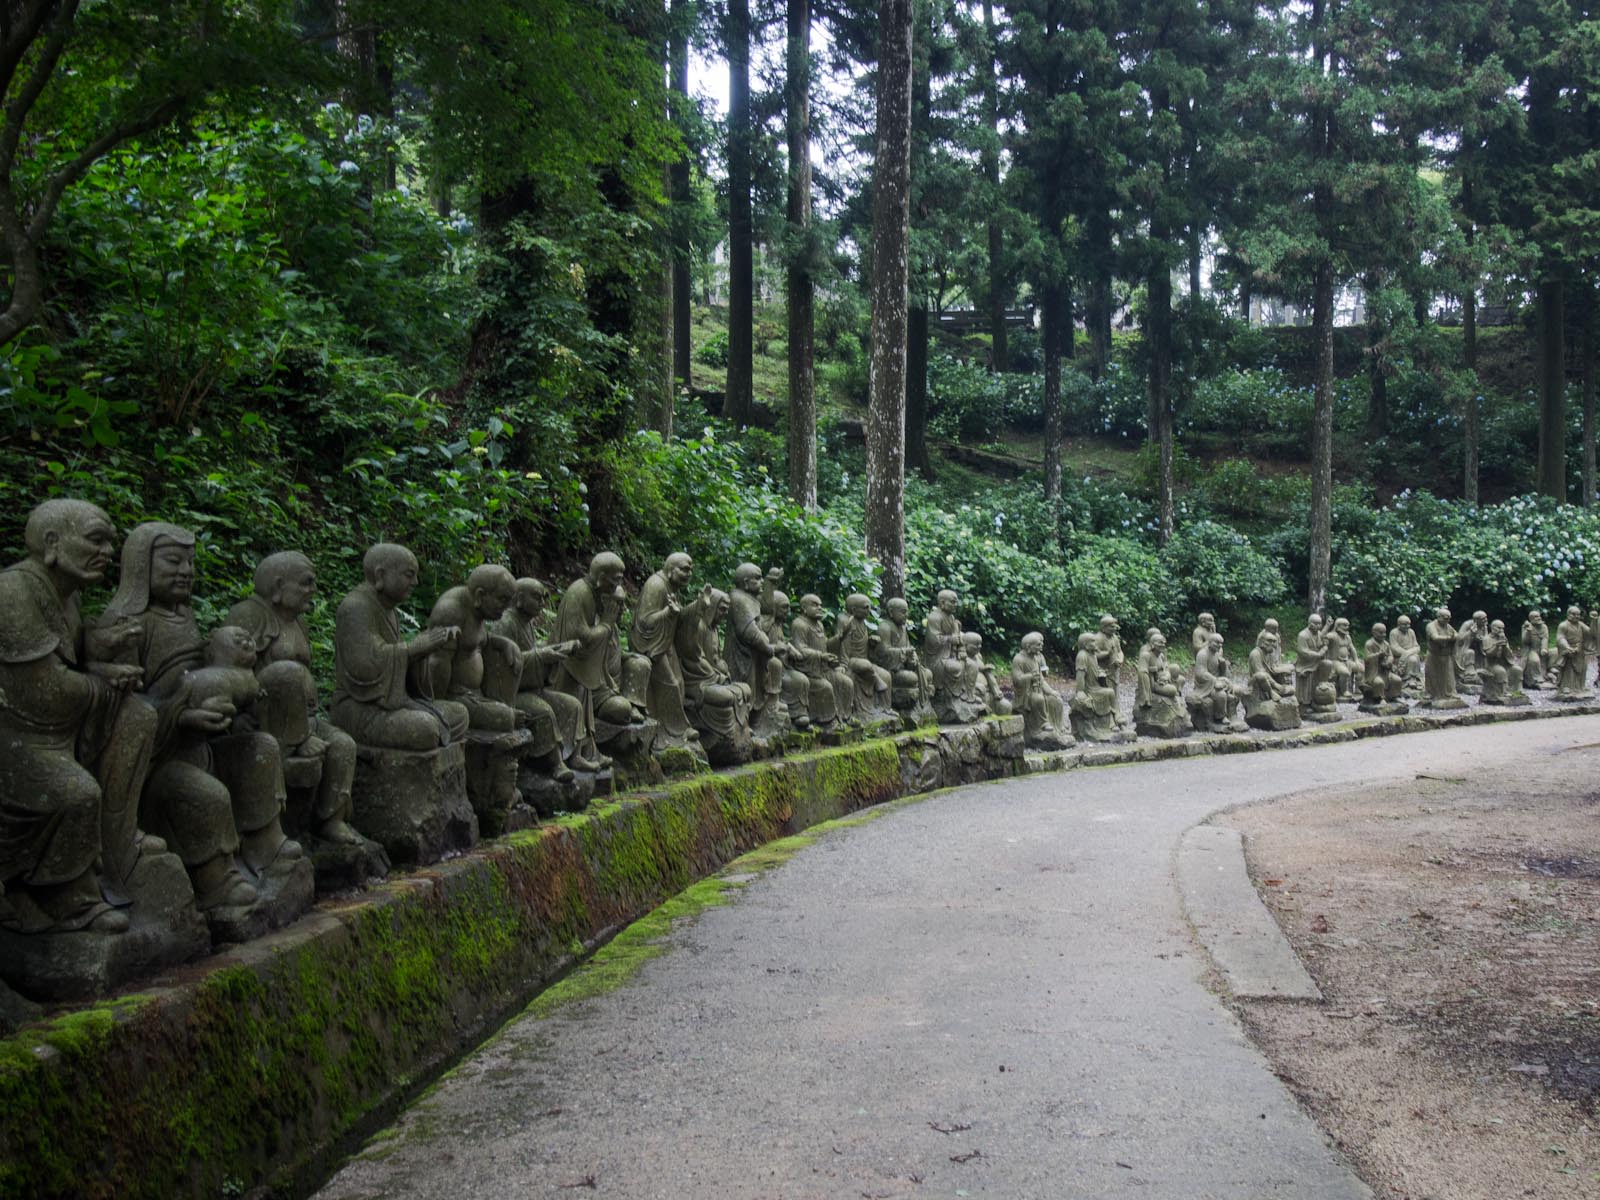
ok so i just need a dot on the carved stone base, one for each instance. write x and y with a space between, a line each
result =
1444 703
492 761
632 748
413 804
344 866
1572 697
1384 708
1090 726
165 930
953 710
1321 716
1048 737
732 749
284 891
1200 716
1516 699
544 797
1165 717
1271 714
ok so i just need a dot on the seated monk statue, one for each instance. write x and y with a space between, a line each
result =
796 693
831 692
1571 659
1108 645
1157 708
986 690
754 657
1213 699
1407 654
217 797
1381 680
944 651
892 649
541 705
654 635
588 614
717 704
1270 677
852 642
1313 672
1093 711
1043 712
372 701
1342 656
1535 650
1500 674
1439 672
274 616
77 741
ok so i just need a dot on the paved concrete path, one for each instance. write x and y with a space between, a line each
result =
1009 962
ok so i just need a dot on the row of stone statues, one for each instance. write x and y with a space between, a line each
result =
164 789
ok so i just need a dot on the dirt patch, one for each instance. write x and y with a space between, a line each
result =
1454 927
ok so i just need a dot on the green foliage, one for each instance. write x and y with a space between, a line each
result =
714 350
1220 570
967 403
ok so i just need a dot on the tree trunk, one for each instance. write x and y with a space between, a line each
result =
1377 372
1552 471
999 353
1469 353
802 322
1586 352
1097 306
1196 251
1322 440
1057 318
682 265
1158 292
740 400
891 236
917 392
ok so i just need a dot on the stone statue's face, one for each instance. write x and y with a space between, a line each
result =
296 587
780 611
1215 641
859 609
1342 625
82 549
492 601
530 601
1033 643
678 573
1404 622
1378 630
396 579
1315 623
811 607
610 581
898 611
232 647
1574 613
1207 621
949 602
1159 642
1443 614
751 585
1498 627
171 573
720 610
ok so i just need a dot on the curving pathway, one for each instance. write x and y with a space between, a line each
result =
1010 958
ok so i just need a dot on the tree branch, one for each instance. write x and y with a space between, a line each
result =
22 103
18 37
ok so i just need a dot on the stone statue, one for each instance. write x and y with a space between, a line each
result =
1093 710
986 691
796 685
1213 700
912 682
1044 714
1468 639
1108 643
717 704
481 671
955 677
274 616
655 630
852 642
1439 673
831 692
214 794
1271 703
1342 656
1381 681
87 900
1313 673
1200 638
1407 655
410 792
1500 673
754 657
550 714
1157 708
1535 651
588 615
1571 661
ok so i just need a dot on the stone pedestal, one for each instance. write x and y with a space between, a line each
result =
1163 717
345 866
632 748
542 796
1386 708
414 804
493 758
951 709
732 749
914 711
1201 716
1046 739
1272 714
165 930
1444 703
1091 726
284 891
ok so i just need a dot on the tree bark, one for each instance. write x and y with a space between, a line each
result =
740 400
999 351
917 392
1469 353
682 265
1586 353
1158 292
1097 309
1377 374
891 236
1321 549
801 297
1552 470
1057 317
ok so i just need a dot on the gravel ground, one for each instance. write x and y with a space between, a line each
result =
1453 923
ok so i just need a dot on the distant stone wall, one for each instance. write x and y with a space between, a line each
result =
260 1066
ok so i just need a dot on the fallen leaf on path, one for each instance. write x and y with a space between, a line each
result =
938 1128
1319 924
966 1158
587 1181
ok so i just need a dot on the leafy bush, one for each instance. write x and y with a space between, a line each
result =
1114 406
967 403
713 352
1117 576
1220 570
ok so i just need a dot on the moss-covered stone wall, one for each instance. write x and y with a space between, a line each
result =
257 1067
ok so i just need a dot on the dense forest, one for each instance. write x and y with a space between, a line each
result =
946 294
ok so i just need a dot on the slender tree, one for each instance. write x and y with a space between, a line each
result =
740 398
891 235
680 177
802 320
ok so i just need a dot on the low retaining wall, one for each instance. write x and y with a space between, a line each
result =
256 1068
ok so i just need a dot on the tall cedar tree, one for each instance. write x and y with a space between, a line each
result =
891 235
740 400
802 255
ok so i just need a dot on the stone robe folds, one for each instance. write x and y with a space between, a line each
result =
1039 704
1535 652
554 717
852 642
655 628
1571 661
1439 674
717 703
